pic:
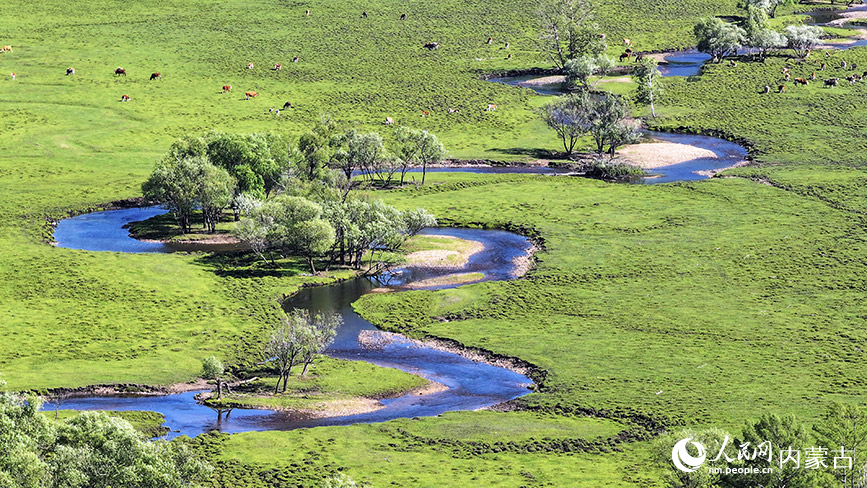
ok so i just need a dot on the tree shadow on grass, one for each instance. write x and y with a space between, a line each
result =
246 264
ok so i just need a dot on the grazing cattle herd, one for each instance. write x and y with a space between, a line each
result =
628 53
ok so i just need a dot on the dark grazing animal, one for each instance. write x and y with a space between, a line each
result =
119 71
156 76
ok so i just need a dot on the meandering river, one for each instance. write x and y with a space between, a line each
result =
471 385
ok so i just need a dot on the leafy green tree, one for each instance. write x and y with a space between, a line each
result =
176 182
285 345
567 30
216 191
647 77
212 369
321 332
718 38
711 441
768 7
569 117
580 69
608 125
90 450
316 149
419 147
845 427
782 433
767 40
803 38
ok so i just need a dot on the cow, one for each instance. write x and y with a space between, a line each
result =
788 76
156 76
13 75
453 110
823 67
852 79
227 88
801 81
277 112
733 64
6 49
307 13
295 59
432 45
70 71
364 14
403 16
490 40
843 64
785 70
249 65
830 82
389 121
854 66
506 46
425 113
287 105
278 67
813 76
767 89
781 89
624 56
124 98
491 107
119 71
627 42
864 75
250 94
509 56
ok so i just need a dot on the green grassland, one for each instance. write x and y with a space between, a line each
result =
705 303
328 380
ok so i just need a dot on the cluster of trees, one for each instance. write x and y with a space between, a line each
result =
842 425
90 450
217 170
603 117
719 38
298 339
315 219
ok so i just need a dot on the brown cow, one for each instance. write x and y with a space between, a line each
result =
813 76
624 56
278 67
227 88
389 121
6 49
119 71
627 42
781 89
491 107
801 81
124 98
425 113
156 76
249 65
250 94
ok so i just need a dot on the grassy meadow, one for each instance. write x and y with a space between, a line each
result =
701 304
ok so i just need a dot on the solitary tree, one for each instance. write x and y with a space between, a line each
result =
567 30
569 116
285 345
803 38
647 76
212 369
718 38
176 182
321 330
